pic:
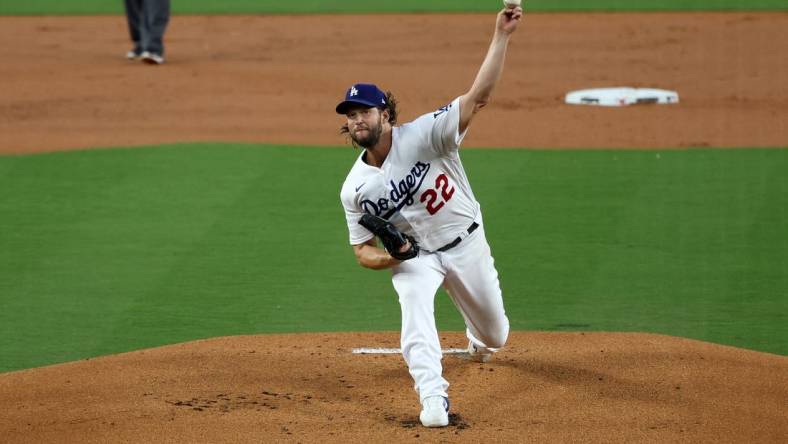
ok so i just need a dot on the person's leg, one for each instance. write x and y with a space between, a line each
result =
134 20
156 15
472 284
416 282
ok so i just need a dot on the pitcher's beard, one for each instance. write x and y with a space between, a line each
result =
372 138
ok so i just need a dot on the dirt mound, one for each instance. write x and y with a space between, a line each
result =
276 79
554 387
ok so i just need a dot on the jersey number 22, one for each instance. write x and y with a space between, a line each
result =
431 195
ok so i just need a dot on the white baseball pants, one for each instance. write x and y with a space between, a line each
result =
468 273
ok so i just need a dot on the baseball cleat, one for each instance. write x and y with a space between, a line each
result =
435 411
152 58
478 354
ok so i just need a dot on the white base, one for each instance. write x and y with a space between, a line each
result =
622 96
396 351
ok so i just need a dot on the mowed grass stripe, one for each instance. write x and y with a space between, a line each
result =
86 7
690 243
112 250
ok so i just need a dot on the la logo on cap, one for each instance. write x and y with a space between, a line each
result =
353 91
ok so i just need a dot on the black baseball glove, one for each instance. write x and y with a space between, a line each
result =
392 238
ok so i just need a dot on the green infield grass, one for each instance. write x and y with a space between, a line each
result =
35 7
105 251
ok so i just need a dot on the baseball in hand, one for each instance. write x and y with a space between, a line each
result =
511 3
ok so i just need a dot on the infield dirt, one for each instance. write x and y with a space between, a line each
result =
545 387
276 79
66 85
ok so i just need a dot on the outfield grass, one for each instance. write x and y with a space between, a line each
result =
35 7
112 250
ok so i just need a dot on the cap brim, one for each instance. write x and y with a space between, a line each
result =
342 107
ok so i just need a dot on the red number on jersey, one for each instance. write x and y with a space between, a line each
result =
446 191
431 196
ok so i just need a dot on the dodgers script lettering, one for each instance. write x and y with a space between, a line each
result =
400 193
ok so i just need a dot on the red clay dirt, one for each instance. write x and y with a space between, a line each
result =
276 79
544 387
65 85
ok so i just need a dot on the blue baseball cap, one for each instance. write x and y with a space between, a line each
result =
365 94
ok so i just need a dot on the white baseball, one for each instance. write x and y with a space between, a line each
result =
511 3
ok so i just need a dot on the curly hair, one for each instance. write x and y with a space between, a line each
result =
391 106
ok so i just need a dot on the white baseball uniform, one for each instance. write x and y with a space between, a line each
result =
421 187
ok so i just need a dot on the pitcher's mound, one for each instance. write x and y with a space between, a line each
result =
544 387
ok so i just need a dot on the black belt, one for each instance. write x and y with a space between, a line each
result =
454 243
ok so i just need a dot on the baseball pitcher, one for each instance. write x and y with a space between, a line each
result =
408 190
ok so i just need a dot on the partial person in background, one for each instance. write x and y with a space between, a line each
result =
147 22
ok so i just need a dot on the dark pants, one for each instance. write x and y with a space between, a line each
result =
147 22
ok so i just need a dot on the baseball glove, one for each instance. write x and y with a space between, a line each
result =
392 238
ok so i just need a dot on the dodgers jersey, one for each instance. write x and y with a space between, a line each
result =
421 186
